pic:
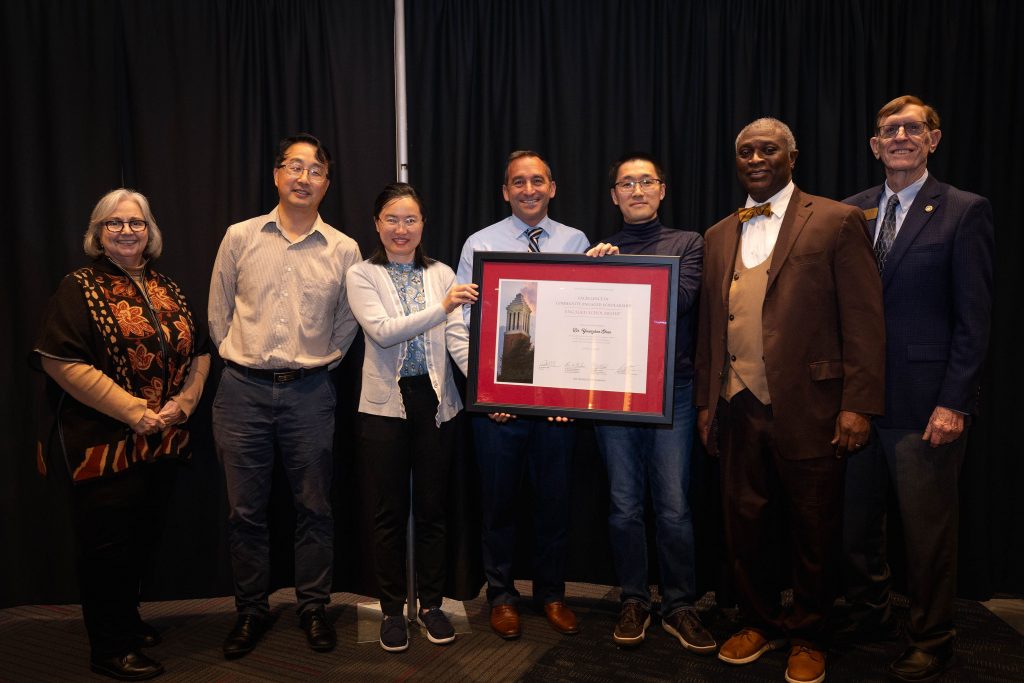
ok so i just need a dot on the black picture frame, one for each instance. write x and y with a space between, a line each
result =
488 392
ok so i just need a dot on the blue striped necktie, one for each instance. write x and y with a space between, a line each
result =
886 233
534 235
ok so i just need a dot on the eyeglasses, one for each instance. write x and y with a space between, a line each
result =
645 184
910 128
116 225
395 221
317 174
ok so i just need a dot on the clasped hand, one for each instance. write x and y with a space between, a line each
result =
152 422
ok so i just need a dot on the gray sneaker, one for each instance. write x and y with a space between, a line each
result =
685 625
634 619
394 634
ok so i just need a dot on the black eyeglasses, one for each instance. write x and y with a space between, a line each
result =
117 225
910 128
317 174
644 183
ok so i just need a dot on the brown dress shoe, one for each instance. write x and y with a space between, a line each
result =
505 621
745 647
561 618
806 665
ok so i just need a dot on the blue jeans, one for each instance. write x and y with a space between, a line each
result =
251 418
655 456
542 450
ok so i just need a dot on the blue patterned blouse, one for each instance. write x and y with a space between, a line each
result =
408 280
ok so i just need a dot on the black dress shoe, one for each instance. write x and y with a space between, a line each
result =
146 635
243 637
851 633
133 666
319 631
917 665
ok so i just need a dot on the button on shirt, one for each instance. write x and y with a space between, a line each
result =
907 196
277 304
510 234
760 233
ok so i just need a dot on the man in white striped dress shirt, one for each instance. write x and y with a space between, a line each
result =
280 319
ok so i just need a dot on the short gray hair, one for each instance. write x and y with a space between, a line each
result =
105 207
766 122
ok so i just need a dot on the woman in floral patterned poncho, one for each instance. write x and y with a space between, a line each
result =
121 345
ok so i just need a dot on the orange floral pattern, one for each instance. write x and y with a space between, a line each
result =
153 393
131 320
159 298
184 336
140 358
145 342
122 286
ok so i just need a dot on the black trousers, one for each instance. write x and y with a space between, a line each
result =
117 523
925 481
783 520
392 448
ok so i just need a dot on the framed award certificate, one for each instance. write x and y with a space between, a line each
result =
574 336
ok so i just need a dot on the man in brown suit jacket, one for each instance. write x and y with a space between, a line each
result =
789 367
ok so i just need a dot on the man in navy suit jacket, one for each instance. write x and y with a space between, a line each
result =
934 245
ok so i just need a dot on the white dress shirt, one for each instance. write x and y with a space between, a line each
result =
759 234
907 196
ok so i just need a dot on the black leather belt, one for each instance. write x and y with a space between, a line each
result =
275 376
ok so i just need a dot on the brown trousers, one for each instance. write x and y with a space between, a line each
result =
783 524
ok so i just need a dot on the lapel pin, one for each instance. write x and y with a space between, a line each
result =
929 208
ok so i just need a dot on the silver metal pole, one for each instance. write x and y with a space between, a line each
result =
402 175
401 116
410 560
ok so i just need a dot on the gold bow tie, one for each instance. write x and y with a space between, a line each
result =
759 210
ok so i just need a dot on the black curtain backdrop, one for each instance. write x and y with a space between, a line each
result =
583 82
185 100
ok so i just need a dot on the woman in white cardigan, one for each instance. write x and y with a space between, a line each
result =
410 310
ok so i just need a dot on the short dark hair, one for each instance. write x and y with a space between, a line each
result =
322 154
522 153
931 117
390 193
613 170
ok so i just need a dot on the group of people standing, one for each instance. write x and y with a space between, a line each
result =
827 353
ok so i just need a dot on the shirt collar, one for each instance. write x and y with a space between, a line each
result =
522 228
779 200
274 217
907 195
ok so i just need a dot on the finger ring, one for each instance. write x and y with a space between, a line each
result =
857 445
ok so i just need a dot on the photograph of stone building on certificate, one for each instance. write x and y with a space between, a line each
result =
515 350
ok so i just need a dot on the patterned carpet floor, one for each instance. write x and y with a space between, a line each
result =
48 643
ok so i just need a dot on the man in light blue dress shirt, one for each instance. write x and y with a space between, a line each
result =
509 447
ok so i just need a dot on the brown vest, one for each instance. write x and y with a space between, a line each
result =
744 337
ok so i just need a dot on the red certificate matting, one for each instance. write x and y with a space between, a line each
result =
659 275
